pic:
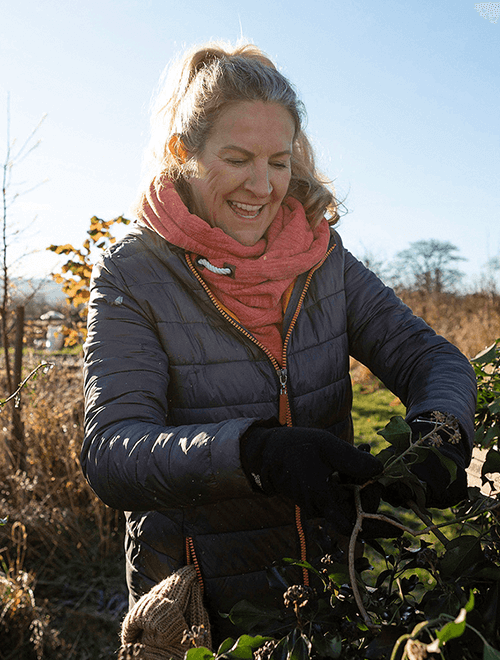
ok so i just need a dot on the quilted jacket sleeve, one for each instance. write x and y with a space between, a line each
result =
423 369
131 457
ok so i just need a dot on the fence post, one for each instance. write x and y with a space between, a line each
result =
18 442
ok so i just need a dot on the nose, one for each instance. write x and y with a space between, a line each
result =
258 181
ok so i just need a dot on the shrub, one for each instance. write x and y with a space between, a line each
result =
426 599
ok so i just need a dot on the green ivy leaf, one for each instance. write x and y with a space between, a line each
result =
361 626
362 564
461 553
385 455
488 355
244 647
494 406
470 603
436 602
327 646
281 651
479 434
492 462
489 572
418 455
489 653
225 646
397 433
399 472
396 471
200 653
453 629
248 616
446 462
338 573
302 564
491 434
301 649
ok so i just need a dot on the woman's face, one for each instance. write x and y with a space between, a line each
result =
244 169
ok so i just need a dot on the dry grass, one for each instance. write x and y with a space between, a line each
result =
471 322
62 591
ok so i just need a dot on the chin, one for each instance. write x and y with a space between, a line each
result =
248 241
249 237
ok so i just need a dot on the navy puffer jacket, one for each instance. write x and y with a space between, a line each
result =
172 383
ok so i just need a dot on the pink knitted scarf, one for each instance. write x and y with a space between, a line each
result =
261 273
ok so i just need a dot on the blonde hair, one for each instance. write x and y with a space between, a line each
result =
196 90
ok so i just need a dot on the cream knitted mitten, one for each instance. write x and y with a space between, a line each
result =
158 621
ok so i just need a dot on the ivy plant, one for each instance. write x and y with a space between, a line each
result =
435 594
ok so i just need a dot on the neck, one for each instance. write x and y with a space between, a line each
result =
183 189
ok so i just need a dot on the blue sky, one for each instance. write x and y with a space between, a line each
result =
402 98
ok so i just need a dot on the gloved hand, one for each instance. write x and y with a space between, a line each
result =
440 493
312 467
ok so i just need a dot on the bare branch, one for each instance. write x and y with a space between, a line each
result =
7 200
352 557
43 365
21 154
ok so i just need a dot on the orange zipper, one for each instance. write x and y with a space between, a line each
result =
228 317
284 408
288 414
191 558
285 415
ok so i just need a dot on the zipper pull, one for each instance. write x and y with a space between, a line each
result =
283 398
283 375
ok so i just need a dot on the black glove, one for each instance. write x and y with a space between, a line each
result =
440 493
300 463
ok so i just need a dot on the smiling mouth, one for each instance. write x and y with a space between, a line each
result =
247 211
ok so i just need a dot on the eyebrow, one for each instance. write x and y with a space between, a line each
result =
234 147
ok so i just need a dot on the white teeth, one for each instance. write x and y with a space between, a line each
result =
246 207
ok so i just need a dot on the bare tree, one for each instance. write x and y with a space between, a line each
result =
13 157
427 266
490 277
493 266
376 264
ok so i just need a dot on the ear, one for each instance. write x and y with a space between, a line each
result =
177 148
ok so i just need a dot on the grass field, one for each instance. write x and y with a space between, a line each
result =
373 407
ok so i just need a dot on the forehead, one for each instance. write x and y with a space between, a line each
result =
267 125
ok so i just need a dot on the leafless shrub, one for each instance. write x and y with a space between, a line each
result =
25 627
70 540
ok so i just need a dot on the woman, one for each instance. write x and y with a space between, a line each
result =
217 361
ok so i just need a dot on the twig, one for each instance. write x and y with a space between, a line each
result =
469 516
400 457
361 515
430 528
351 559
438 425
42 365
429 522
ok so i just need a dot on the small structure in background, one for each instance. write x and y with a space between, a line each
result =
54 338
